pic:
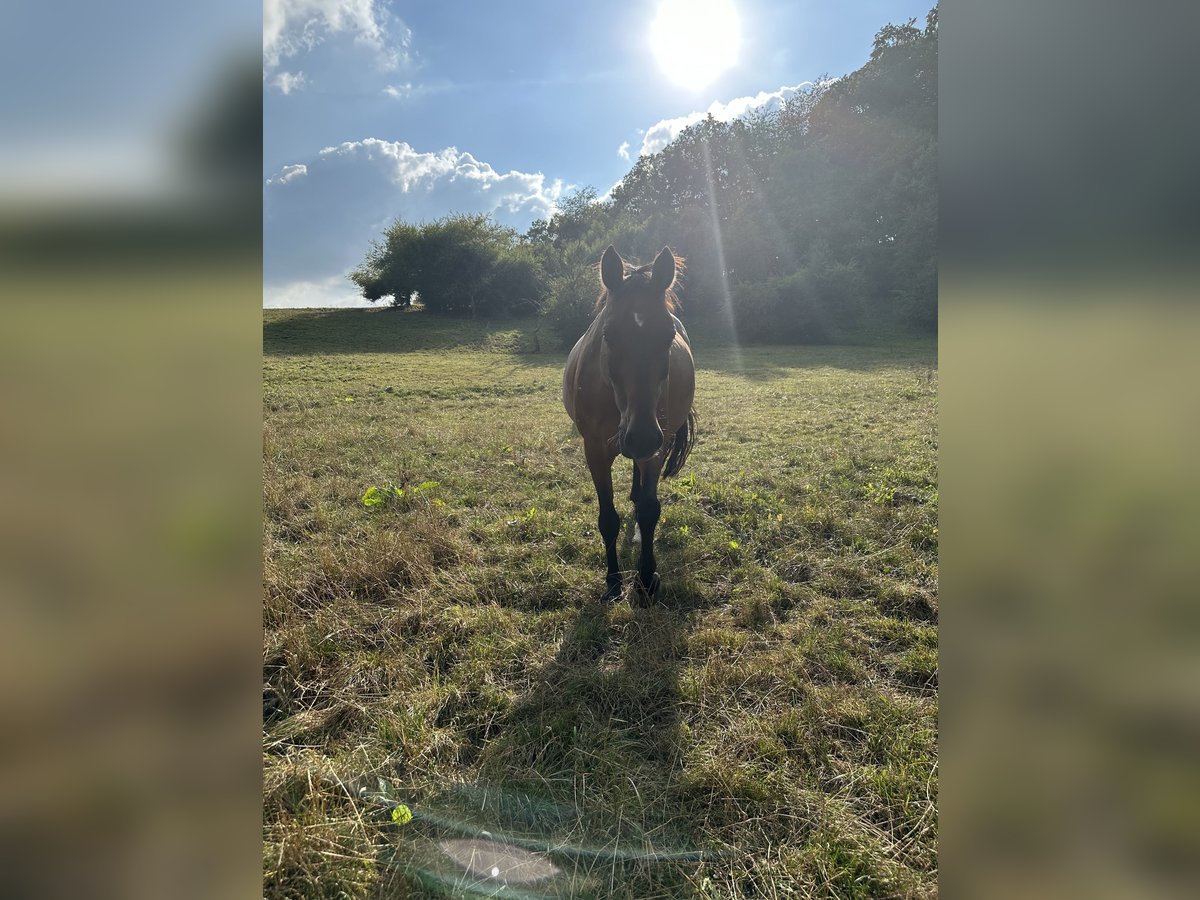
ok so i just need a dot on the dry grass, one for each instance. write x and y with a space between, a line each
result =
776 710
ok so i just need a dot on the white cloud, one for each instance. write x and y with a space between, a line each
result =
623 150
661 133
287 173
287 82
320 215
398 91
292 27
408 170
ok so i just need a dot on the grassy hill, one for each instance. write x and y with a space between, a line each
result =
768 728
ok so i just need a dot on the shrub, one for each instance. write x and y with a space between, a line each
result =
515 285
808 307
572 304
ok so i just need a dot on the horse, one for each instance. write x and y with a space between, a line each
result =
628 386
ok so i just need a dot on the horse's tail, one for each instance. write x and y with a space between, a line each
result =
685 437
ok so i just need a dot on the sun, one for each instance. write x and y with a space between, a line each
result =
695 40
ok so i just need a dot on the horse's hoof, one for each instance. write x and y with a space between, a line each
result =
649 590
612 593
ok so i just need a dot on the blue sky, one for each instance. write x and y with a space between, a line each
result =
377 110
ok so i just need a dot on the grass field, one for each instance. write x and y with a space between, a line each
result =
767 729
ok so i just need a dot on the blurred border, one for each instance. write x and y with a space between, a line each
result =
1069 334
130 632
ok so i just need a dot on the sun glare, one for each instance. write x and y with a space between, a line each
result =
695 40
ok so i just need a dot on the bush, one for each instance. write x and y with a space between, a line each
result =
572 304
916 297
838 289
515 285
805 307
780 310
755 308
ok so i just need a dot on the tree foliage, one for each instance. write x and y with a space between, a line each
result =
805 223
464 265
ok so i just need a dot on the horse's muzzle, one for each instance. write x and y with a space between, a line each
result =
641 445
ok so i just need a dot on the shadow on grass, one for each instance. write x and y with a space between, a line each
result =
599 731
574 789
612 685
301 332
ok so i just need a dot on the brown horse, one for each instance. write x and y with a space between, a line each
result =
628 387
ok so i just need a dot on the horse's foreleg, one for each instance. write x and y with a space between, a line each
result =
635 492
599 460
648 511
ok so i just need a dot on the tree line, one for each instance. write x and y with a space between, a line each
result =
810 222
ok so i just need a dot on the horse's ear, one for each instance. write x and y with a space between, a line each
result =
612 270
663 275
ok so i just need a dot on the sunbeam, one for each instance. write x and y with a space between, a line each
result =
719 247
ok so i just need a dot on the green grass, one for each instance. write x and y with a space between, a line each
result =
776 709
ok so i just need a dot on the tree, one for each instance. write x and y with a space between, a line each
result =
392 266
458 265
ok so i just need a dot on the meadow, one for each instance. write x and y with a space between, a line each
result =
437 663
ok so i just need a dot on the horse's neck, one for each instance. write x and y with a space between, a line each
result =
595 337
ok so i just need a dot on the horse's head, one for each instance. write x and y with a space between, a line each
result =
638 332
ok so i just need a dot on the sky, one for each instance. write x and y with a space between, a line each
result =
377 110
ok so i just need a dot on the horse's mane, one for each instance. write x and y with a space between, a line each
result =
672 299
